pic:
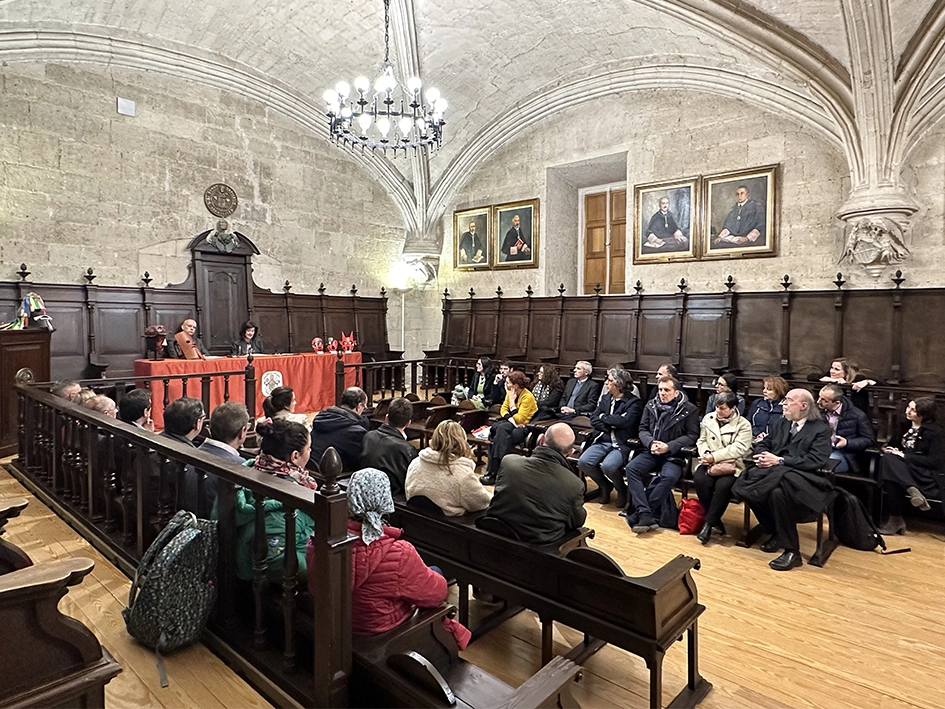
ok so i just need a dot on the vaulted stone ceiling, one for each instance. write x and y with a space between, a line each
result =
865 74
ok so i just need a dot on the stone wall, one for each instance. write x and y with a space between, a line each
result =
81 185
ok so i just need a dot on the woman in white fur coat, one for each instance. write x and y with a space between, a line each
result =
446 474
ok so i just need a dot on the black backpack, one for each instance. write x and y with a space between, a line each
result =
174 587
854 527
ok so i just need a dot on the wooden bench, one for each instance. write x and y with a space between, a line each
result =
417 665
578 590
49 659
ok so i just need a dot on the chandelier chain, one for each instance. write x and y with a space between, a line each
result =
386 31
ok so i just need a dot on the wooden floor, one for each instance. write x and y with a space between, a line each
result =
866 631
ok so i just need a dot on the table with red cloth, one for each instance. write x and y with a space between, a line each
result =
311 376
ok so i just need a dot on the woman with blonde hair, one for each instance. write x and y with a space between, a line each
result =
446 475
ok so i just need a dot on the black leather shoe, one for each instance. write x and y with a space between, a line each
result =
487 479
621 501
771 546
704 533
787 561
603 496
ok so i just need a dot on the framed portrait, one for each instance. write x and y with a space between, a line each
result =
472 250
741 213
515 235
666 224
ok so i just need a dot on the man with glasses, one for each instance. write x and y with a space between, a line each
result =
851 429
183 421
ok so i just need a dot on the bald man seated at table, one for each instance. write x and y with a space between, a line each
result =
185 344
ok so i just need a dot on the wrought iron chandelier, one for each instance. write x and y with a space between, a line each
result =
394 117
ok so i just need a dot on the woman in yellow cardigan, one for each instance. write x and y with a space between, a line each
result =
517 410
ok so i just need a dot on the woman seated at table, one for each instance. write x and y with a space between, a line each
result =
725 382
283 453
724 442
248 341
389 580
517 410
914 465
768 408
280 404
446 475
844 372
547 388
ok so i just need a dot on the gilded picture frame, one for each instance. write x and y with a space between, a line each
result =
741 213
515 242
666 221
472 246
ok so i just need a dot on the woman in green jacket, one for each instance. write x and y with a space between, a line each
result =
283 453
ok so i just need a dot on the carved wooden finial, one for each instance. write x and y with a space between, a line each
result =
498 292
89 275
729 283
22 273
383 292
146 279
898 279
286 287
561 290
330 468
249 357
472 293
838 281
354 289
682 285
446 293
638 287
528 290
321 289
597 289
786 282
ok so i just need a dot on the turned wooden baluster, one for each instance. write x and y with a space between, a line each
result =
260 570
290 582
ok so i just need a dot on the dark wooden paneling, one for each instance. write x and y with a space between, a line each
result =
757 335
706 334
657 331
372 326
69 345
513 329
579 331
616 331
923 337
865 315
9 302
306 321
18 349
544 329
458 327
485 321
118 322
812 332
339 317
272 319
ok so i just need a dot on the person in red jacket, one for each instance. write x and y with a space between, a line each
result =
389 580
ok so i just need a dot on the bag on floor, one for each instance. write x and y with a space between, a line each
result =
691 516
174 587
855 528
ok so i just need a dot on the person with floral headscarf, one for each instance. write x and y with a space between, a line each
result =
388 578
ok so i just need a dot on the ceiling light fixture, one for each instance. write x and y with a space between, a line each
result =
393 117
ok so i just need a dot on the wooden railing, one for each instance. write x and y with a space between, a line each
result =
118 485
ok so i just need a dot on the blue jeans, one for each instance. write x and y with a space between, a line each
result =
603 464
659 488
845 459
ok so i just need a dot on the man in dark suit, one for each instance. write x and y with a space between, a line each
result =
388 449
342 427
580 393
539 496
228 429
852 431
784 486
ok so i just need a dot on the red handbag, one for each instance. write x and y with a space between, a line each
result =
691 516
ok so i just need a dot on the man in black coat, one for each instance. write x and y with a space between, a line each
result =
539 496
785 486
851 427
615 420
670 423
342 427
580 393
388 449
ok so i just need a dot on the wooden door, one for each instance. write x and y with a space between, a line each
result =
605 241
